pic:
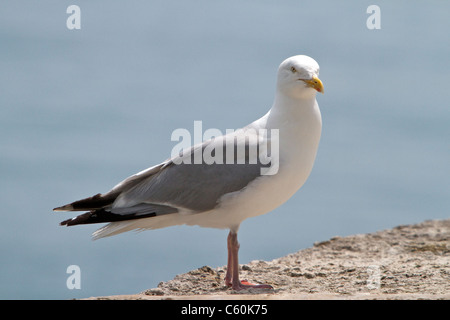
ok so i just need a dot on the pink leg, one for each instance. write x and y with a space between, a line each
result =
232 275
228 276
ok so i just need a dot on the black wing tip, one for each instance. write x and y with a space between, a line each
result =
102 216
95 202
81 219
67 207
65 222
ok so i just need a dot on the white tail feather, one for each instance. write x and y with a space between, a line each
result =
157 222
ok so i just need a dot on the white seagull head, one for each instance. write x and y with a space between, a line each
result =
298 77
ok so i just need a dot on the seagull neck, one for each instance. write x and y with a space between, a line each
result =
287 109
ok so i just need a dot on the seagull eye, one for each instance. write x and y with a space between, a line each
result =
293 69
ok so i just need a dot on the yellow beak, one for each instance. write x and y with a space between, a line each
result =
315 83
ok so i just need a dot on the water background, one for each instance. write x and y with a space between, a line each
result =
80 110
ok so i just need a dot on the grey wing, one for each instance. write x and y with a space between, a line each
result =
173 186
195 187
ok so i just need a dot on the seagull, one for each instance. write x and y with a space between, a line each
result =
221 194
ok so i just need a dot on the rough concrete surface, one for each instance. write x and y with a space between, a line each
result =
406 262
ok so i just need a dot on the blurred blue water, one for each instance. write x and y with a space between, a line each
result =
80 110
